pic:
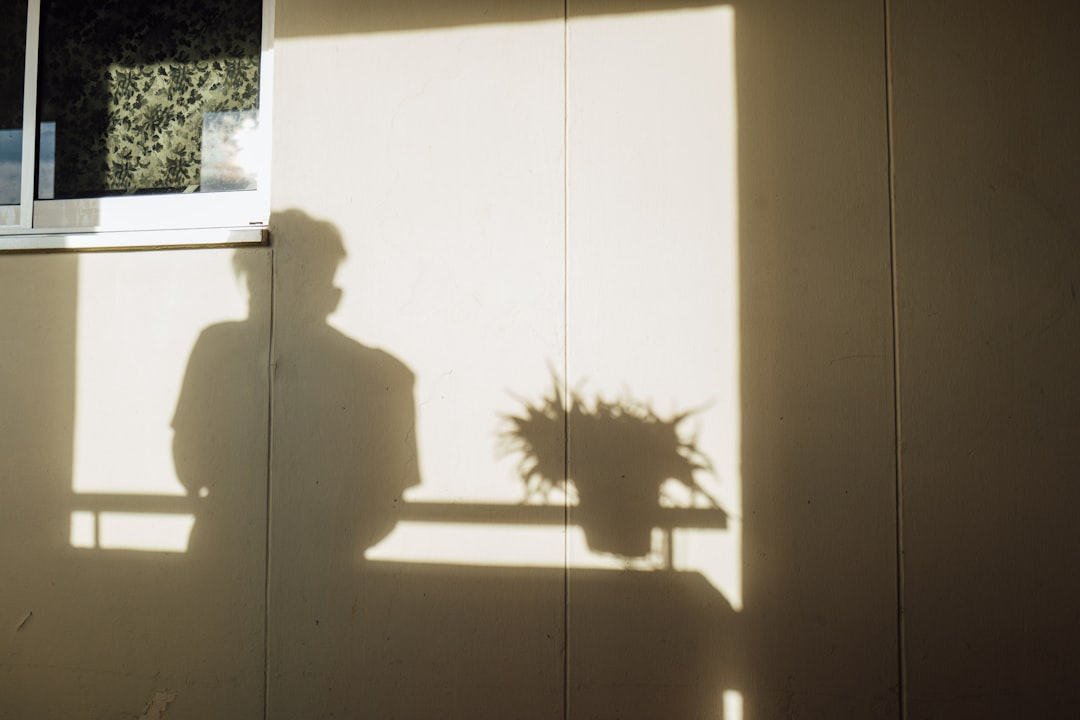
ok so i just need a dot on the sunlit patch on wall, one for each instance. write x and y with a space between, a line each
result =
472 544
733 705
152 532
84 529
651 280
515 546
138 317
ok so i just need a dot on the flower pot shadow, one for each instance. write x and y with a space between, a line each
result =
614 456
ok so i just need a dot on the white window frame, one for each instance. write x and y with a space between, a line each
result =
165 220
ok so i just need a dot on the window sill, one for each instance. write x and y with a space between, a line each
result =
47 240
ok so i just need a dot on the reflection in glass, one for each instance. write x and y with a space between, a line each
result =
10 166
11 163
230 151
12 63
46 170
129 85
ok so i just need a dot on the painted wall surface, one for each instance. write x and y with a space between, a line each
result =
643 245
988 265
472 215
653 318
816 369
133 475
424 212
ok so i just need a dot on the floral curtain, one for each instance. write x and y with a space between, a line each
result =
130 84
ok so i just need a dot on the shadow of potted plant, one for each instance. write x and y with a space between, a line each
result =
617 457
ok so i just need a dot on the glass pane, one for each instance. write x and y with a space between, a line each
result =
144 96
12 68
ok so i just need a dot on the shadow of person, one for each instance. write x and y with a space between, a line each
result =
220 423
344 451
338 453
220 456
343 413
343 429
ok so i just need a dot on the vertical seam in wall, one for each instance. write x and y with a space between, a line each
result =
271 369
566 359
897 415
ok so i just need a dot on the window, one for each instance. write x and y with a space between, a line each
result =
134 122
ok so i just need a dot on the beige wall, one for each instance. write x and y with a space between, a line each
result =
986 231
100 614
686 206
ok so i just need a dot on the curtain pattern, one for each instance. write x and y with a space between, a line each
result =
127 83
12 53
